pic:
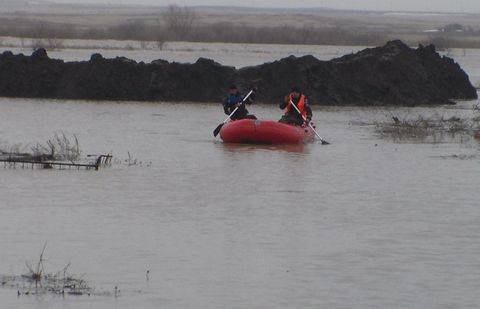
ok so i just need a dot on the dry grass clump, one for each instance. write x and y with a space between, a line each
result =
58 148
38 281
423 128
36 274
132 161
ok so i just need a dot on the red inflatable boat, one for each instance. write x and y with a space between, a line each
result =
249 131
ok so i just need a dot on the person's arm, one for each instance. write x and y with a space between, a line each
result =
285 102
250 99
226 107
309 112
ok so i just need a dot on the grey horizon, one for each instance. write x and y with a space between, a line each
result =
460 6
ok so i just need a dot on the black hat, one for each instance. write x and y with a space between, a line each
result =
233 87
296 89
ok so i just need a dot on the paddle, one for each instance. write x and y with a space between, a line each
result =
217 130
324 142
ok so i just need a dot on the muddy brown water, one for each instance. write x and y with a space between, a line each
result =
366 222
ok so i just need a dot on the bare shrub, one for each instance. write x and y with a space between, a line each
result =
55 43
46 36
60 282
305 33
47 43
37 44
406 128
136 29
58 148
95 33
423 128
160 39
180 21
233 33
7 149
160 44
36 273
132 161
144 44
441 42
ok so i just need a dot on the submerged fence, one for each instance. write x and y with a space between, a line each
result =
25 161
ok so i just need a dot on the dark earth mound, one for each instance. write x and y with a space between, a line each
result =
394 74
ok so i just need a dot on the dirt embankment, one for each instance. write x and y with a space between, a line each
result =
391 74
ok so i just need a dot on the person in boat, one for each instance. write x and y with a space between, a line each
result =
234 100
291 115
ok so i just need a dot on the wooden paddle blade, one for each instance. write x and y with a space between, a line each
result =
217 130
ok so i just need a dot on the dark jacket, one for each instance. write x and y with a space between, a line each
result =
293 117
230 104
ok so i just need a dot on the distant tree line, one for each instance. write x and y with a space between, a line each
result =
182 24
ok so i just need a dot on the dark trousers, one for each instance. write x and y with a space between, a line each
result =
242 113
292 119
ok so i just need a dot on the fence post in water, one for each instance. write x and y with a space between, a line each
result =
98 162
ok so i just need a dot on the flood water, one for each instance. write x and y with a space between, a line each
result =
366 222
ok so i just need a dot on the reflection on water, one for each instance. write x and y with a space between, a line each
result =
301 148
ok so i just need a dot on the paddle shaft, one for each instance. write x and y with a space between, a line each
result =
309 124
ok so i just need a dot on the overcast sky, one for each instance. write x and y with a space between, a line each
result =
472 6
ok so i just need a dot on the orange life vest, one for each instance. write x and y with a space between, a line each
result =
301 105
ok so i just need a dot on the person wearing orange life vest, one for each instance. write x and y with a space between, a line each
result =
291 115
